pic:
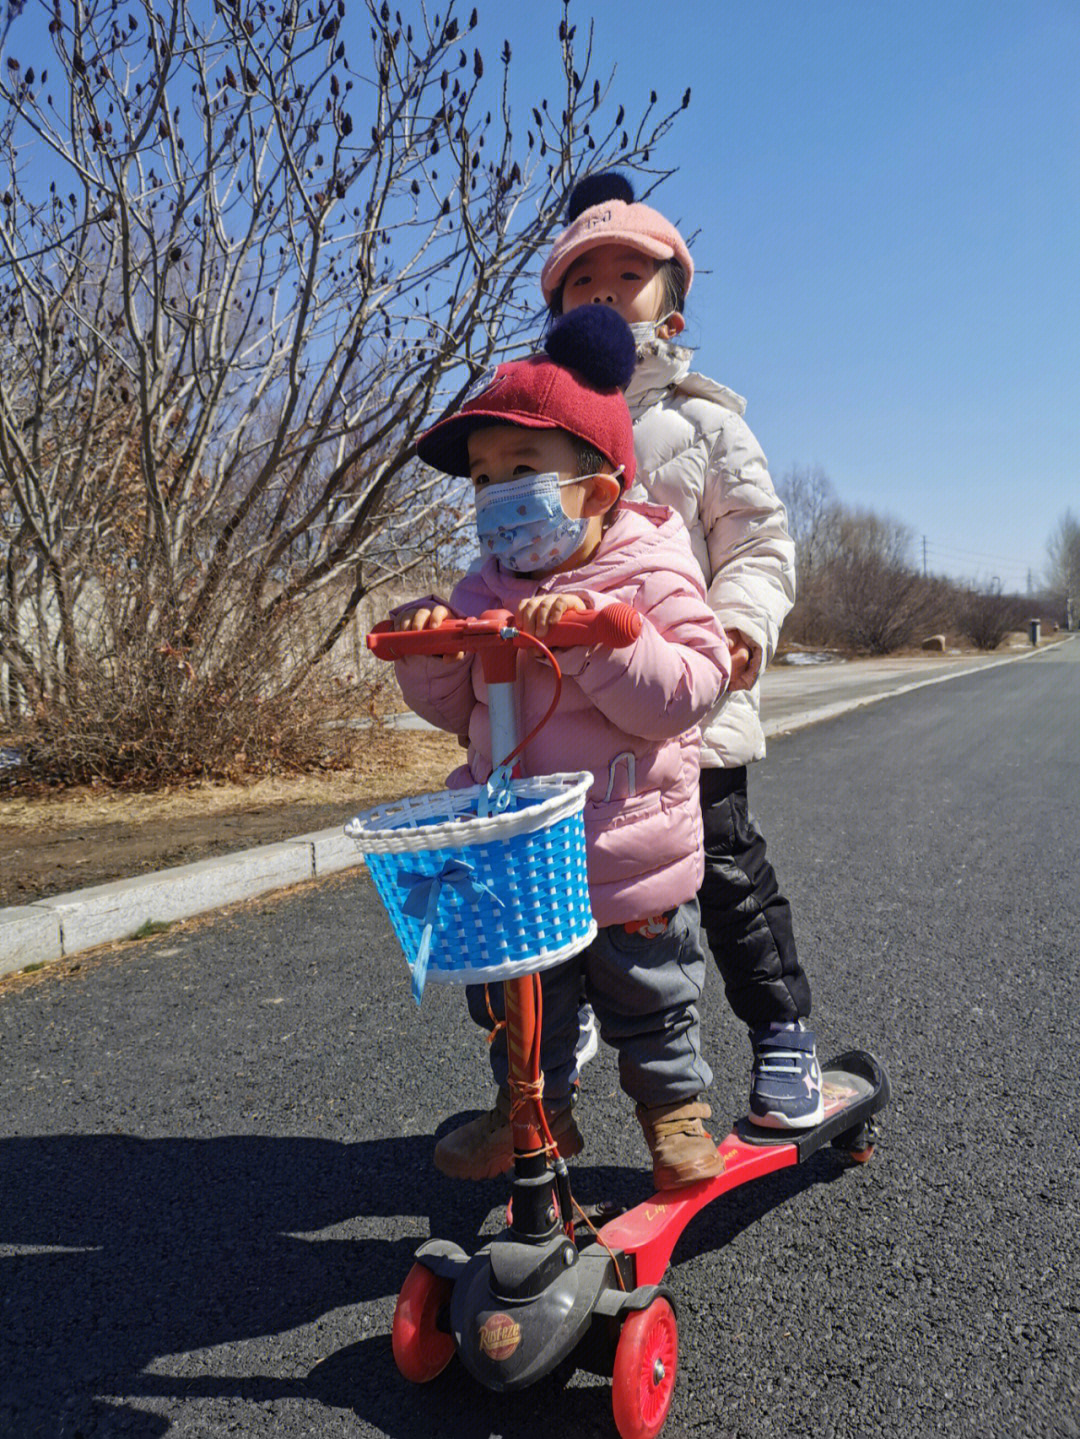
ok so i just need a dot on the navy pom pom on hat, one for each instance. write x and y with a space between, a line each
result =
575 385
597 190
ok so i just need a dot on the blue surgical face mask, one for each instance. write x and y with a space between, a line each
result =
522 523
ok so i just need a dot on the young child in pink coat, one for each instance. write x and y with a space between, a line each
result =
548 445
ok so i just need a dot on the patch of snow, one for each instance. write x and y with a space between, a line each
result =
809 657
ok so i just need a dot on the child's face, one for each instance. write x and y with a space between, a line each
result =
499 453
616 275
506 452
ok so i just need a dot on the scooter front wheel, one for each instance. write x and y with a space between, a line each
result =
421 1349
643 1382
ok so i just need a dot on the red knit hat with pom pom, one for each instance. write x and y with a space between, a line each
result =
575 385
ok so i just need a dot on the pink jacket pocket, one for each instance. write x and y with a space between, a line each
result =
628 837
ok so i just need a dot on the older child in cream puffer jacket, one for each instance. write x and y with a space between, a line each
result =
696 453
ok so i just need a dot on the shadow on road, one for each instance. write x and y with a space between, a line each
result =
155 1247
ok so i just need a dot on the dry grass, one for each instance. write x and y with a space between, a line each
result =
394 764
68 840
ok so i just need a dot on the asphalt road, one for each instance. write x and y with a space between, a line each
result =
215 1151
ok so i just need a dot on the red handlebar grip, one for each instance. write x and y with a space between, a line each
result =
452 636
622 625
614 627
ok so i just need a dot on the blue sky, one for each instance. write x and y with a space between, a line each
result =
888 206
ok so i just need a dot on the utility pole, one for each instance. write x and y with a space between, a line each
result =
924 557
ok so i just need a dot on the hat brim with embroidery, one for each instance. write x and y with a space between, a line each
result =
603 211
576 384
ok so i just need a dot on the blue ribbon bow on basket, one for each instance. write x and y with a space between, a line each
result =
423 902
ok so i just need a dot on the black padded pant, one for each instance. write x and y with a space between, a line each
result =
746 919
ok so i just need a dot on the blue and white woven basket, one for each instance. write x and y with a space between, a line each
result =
475 898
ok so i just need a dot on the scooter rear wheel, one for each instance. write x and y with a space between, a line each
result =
643 1382
421 1349
858 1143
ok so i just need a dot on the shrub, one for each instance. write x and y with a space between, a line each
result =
985 618
142 716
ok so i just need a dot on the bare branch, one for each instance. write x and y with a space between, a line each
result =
243 267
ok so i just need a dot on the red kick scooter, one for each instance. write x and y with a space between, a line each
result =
554 1286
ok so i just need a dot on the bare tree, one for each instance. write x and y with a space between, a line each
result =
858 588
986 616
813 514
247 254
1063 554
876 601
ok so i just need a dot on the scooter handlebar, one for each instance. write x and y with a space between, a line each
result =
614 627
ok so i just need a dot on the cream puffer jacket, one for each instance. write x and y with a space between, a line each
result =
696 453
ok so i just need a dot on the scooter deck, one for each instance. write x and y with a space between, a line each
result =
855 1086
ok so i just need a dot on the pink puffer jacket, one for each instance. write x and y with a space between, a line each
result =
629 716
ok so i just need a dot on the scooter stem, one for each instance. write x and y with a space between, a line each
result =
519 1002
533 1200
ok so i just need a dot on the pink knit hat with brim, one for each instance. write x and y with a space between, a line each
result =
612 220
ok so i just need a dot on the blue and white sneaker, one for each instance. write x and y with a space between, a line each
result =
588 1041
785 1091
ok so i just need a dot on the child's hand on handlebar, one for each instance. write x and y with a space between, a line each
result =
423 618
534 616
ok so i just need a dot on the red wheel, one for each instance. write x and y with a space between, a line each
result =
857 1145
421 1349
644 1379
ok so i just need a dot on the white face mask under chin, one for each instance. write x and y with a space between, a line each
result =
645 330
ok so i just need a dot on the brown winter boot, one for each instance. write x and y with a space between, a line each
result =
484 1147
681 1148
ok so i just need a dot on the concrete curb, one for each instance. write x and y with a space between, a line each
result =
802 718
67 924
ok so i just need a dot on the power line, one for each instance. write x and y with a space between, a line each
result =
957 552
940 555
959 564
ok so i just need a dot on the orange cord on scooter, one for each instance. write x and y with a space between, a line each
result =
533 1089
496 1024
